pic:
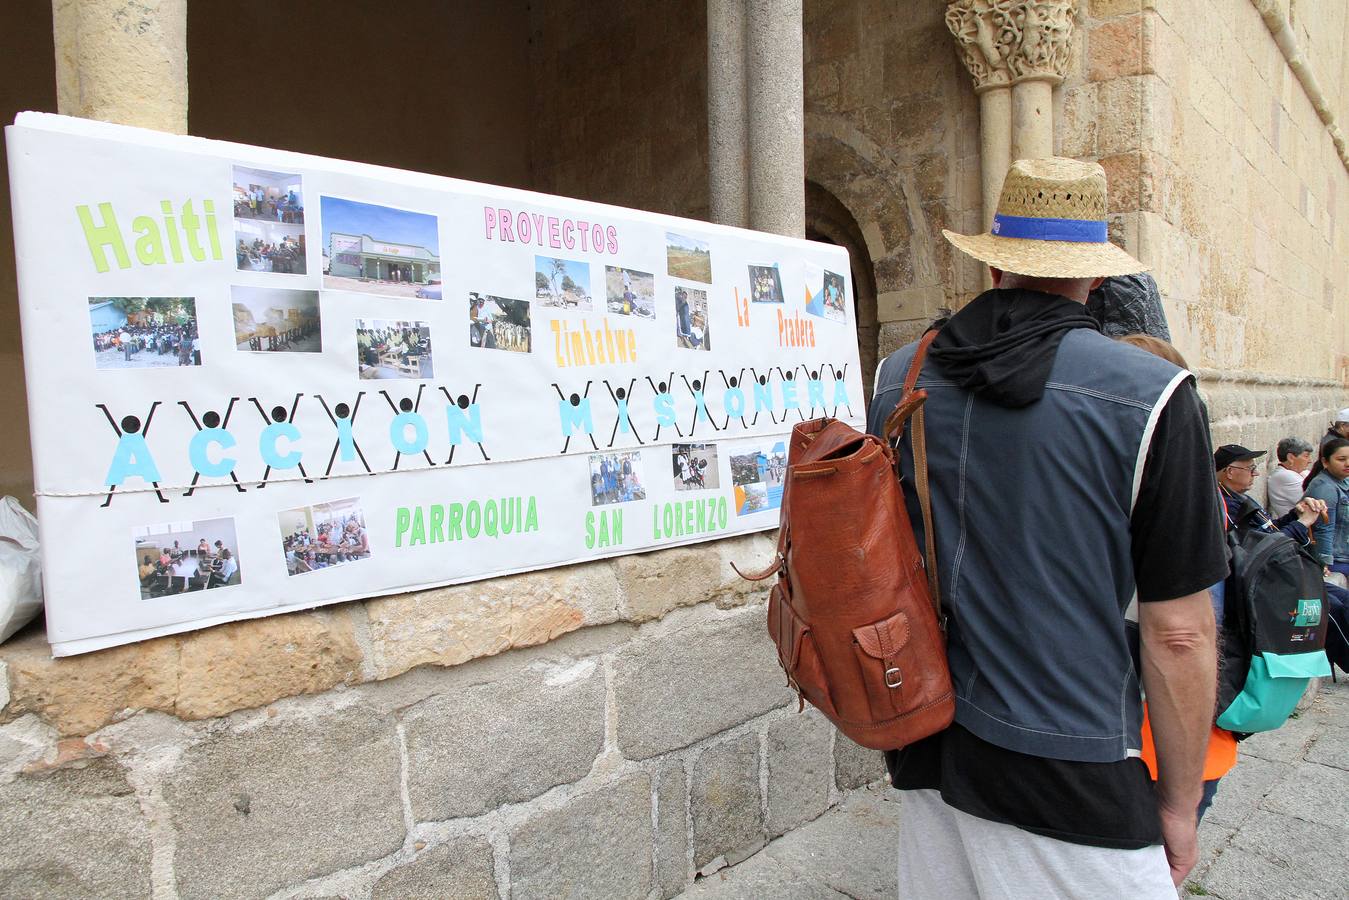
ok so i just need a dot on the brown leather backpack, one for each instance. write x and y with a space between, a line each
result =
853 614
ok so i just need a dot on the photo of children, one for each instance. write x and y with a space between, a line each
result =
824 293
393 349
144 332
180 557
562 282
268 222
271 196
695 467
688 258
629 292
758 476
323 535
272 319
379 250
498 323
616 478
765 284
691 319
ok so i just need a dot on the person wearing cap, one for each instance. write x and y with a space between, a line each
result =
1338 428
1060 582
1236 473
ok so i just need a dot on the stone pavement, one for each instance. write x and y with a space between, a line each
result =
1279 828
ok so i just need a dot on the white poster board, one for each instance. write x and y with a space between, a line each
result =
261 381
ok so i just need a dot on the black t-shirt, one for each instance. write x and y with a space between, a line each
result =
1178 549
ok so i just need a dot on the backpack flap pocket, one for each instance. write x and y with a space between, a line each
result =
880 652
1274 684
797 653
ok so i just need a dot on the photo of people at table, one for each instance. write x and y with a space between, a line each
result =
263 246
182 557
498 323
616 478
390 349
273 196
323 535
144 332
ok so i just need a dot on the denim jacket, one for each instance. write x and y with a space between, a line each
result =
1332 538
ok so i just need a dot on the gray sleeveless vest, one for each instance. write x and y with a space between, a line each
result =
1031 511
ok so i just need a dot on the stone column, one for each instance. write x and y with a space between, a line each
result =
1041 33
122 61
777 150
727 113
984 51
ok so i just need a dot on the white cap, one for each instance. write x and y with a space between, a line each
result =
1342 415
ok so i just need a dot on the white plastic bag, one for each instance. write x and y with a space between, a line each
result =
20 568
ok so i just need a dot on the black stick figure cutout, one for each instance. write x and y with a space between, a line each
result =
662 392
733 383
699 402
581 403
622 397
789 377
471 424
344 419
840 387
132 435
279 416
764 390
406 405
211 420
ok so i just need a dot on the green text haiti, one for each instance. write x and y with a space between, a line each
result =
175 236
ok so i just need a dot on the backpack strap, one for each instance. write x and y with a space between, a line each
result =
910 406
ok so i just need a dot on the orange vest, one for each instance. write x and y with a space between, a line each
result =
1218 761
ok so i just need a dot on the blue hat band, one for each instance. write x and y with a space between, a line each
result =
1085 231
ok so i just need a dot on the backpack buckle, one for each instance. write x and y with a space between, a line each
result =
893 678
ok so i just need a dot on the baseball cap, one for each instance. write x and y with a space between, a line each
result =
1342 415
1227 454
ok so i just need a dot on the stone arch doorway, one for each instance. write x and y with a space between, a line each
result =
828 220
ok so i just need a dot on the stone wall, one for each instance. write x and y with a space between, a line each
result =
355 751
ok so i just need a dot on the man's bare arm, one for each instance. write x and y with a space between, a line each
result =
1179 675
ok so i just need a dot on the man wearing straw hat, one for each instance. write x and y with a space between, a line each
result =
1077 531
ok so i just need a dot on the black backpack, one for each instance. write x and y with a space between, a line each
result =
1273 634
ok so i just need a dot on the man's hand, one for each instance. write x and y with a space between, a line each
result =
1309 510
1180 836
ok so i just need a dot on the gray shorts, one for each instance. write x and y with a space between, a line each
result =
945 854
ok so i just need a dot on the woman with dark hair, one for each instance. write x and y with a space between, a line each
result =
1329 481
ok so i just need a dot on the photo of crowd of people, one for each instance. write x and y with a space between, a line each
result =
273 319
498 323
393 349
262 246
629 292
181 557
688 258
695 467
824 293
273 196
765 284
144 332
758 475
323 535
562 282
616 478
380 249
691 319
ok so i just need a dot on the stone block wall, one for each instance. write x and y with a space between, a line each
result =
608 730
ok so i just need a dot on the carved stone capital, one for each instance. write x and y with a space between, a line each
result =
1006 41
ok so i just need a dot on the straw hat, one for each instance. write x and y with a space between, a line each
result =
1050 223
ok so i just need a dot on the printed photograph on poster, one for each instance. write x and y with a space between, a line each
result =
323 535
691 319
562 282
498 323
144 332
758 475
824 293
270 196
629 292
688 258
181 557
765 284
274 319
393 349
695 467
616 478
379 249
